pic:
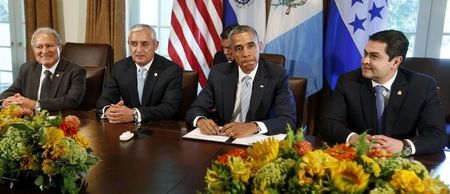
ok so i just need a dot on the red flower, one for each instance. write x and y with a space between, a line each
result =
223 159
70 125
342 152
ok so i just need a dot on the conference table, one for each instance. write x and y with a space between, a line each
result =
159 160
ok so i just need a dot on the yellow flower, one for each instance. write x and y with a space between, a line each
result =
372 164
406 181
317 162
53 136
349 177
263 152
80 139
239 169
48 167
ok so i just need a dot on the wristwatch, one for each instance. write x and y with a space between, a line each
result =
407 150
135 115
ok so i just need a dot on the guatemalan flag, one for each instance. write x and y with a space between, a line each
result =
246 12
350 23
297 33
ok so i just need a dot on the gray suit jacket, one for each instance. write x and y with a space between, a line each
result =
271 101
162 89
67 90
414 110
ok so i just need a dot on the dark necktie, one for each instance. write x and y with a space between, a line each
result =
46 85
380 108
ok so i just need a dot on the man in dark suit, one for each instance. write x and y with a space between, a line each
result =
224 56
404 115
250 95
143 87
51 82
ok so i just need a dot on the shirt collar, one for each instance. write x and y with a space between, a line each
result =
147 67
52 69
388 84
251 74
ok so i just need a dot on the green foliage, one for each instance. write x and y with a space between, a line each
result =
362 146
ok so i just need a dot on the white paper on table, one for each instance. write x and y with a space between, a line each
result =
256 137
196 134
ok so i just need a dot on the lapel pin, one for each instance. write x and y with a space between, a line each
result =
261 86
399 93
155 74
57 75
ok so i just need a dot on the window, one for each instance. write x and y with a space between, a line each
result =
156 13
403 16
12 41
445 47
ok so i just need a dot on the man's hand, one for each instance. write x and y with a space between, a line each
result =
208 126
237 130
19 100
390 144
119 113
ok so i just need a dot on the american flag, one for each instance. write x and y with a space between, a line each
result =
194 36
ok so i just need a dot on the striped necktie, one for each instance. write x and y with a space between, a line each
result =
246 93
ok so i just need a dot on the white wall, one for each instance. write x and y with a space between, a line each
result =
72 20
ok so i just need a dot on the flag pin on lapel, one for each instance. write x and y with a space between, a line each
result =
57 75
155 74
399 93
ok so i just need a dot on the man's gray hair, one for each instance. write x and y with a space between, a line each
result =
45 30
139 27
241 29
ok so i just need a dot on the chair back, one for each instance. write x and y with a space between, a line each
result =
273 58
298 87
96 59
190 84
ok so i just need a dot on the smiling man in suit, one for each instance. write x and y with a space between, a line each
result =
250 95
400 108
144 86
51 82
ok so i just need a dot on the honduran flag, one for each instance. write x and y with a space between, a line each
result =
350 23
297 33
248 12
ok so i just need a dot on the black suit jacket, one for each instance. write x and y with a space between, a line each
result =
67 89
162 88
219 57
271 101
414 110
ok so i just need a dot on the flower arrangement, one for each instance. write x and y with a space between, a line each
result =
292 166
46 149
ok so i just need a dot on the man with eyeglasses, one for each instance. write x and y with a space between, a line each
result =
250 95
144 86
51 82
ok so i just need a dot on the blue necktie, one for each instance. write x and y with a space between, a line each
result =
46 85
246 93
380 108
141 82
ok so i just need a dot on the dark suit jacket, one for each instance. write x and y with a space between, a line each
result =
414 110
67 90
162 88
219 57
271 102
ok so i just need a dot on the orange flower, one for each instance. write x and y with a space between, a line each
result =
223 159
342 152
48 167
379 153
70 125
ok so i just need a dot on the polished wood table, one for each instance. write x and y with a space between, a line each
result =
161 161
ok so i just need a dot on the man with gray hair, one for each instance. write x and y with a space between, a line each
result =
51 82
144 86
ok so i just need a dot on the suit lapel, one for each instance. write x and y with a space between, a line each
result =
367 96
229 86
257 90
152 78
57 77
131 83
397 95
36 75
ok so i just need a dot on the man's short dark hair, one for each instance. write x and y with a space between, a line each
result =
226 31
397 43
241 29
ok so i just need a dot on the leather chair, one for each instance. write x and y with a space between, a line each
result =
273 58
190 85
298 87
97 60
440 70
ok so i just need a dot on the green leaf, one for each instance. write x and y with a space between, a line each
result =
39 181
362 147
